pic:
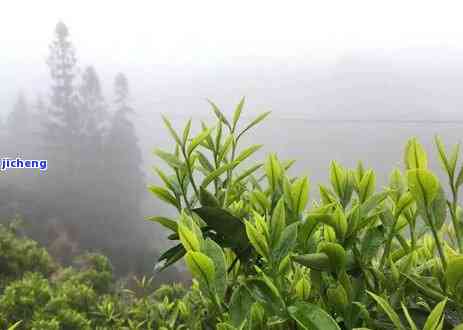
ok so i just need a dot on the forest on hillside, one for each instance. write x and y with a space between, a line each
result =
89 198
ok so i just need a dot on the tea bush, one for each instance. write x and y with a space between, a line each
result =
19 255
39 294
359 257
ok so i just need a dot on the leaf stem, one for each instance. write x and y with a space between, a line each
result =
185 197
190 173
430 216
388 243
453 213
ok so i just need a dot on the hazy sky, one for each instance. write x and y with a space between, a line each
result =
166 46
184 32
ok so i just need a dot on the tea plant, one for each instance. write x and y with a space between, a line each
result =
356 258
38 294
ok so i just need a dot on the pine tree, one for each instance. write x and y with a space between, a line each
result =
94 121
62 137
19 129
63 127
124 155
125 177
19 119
92 104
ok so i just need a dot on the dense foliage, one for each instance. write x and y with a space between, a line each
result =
37 293
260 256
356 258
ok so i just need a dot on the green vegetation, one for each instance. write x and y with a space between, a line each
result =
38 294
356 258
262 257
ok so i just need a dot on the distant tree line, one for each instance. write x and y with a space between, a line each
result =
89 199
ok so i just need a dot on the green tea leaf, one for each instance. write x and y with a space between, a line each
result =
257 240
247 153
164 195
336 255
267 295
423 185
223 326
15 325
225 148
219 114
230 230
169 158
273 171
259 198
341 223
403 203
312 317
166 222
240 305
307 227
415 156
454 272
302 288
215 252
367 185
171 130
435 320
459 181
286 242
300 194
247 173
338 179
204 161
277 221
188 238
316 261
197 140
256 121
337 297
397 184
201 267
171 256
388 310
207 199
216 173
186 132
169 184
449 165
439 208
237 113
326 195
424 287
371 243
372 202
408 317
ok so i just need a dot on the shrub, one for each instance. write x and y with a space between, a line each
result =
85 296
21 298
19 255
357 258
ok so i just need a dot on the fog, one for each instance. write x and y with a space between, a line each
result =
344 81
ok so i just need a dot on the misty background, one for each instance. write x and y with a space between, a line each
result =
351 87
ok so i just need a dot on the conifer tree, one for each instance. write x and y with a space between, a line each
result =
123 154
125 177
94 121
19 119
18 135
63 127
